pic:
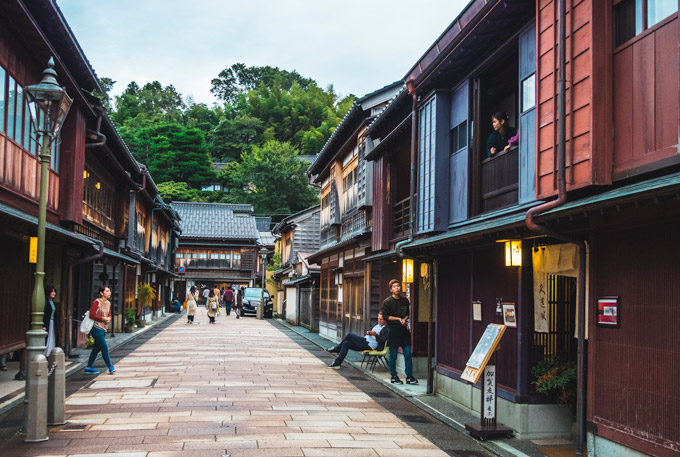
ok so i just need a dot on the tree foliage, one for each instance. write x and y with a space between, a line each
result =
268 117
272 178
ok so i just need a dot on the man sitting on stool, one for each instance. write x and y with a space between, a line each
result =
374 339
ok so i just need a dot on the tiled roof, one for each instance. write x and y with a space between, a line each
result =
267 239
216 220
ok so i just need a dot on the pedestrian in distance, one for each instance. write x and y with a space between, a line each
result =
48 320
192 298
206 294
212 305
228 298
239 301
395 310
100 313
373 340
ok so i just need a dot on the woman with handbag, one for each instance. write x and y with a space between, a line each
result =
48 320
212 305
100 313
192 298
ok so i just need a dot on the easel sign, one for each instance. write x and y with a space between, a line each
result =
482 353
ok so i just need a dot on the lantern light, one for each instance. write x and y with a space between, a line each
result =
513 253
407 271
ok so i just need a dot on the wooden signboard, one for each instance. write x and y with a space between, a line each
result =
482 353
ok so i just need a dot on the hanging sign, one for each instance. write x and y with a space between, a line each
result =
33 250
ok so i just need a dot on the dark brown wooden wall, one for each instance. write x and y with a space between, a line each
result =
72 166
646 98
453 313
382 204
15 294
634 370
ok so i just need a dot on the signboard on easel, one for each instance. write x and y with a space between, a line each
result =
482 361
482 353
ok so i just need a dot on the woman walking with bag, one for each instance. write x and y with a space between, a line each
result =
48 320
191 304
212 305
100 313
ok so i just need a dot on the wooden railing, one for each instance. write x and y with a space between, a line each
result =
499 180
401 216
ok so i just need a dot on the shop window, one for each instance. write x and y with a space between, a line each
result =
632 17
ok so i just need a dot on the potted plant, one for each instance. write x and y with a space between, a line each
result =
145 296
129 320
557 379
89 342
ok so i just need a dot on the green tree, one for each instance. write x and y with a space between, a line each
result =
232 137
271 177
177 191
198 115
152 102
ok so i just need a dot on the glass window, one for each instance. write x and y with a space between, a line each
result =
459 137
658 10
214 256
19 122
3 77
202 255
529 93
179 255
27 127
11 103
54 157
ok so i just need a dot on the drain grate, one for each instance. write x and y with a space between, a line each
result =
468 454
416 419
74 427
381 395
356 378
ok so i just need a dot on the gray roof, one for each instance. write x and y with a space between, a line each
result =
267 239
216 220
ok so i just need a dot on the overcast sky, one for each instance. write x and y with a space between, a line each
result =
358 46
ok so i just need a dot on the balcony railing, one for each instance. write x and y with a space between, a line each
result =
401 217
499 180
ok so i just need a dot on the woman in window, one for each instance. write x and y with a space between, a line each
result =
499 140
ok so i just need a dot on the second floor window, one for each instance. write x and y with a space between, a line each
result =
349 190
98 198
325 216
632 17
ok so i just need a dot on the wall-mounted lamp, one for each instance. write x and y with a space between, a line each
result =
98 185
407 271
85 174
513 252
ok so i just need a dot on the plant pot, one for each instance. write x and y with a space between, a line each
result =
140 323
129 328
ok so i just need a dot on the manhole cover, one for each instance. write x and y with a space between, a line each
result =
416 419
381 395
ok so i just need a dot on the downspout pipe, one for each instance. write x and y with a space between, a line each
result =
582 247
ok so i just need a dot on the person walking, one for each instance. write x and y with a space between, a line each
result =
100 313
212 305
206 294
239 301
228 298
192 298
48 320
395 310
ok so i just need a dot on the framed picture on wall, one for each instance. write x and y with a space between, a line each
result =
477 311
509 315
608 311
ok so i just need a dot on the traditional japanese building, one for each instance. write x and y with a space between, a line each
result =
297 282
586 201
218 246
92 180
346 181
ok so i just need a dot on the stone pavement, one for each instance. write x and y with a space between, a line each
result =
239 388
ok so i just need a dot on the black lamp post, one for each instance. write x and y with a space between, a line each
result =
49 105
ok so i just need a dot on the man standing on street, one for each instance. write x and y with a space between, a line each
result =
374 339
395 310
228 298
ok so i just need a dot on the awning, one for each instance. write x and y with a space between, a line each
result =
381 256
55 229
299 280
118 256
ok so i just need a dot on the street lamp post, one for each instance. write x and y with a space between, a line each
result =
49 105
263 256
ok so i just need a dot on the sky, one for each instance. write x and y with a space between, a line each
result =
358 46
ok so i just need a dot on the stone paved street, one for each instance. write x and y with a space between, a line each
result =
239 387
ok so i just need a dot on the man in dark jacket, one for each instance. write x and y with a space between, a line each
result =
373 340
395 310
228 298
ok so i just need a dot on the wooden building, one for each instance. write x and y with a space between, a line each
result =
346 181
92 178
622 185
218 246
297 282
